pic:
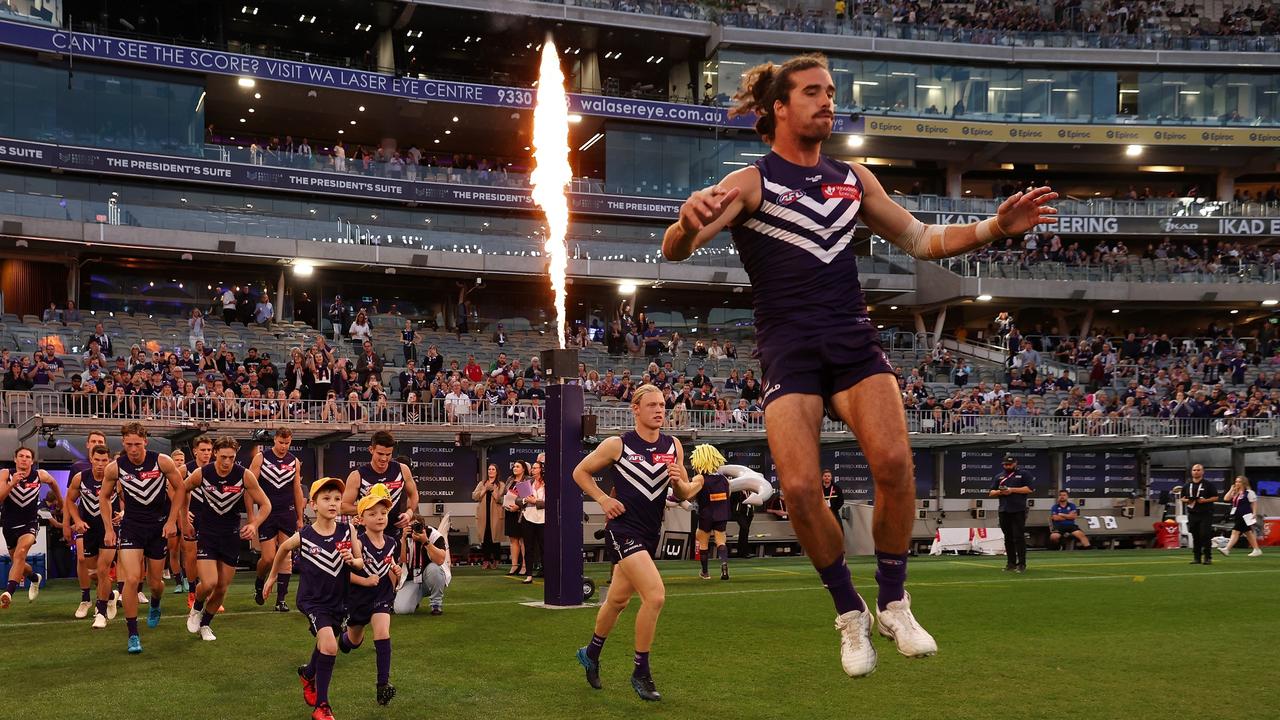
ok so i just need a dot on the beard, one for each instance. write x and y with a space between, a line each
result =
816 132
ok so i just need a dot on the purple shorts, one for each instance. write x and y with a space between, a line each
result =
822 363
276 524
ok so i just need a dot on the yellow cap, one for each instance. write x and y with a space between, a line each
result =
325 483
377 494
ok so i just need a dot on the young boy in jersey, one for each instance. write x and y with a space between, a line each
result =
373 590
713 506
227 486
85 518
153 495
19 503
642 463
328 551
279 472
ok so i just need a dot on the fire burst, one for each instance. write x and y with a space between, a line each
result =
551 173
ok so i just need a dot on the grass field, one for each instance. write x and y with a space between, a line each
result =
1138 634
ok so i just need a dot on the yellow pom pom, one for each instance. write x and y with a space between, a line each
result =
380 490
706 459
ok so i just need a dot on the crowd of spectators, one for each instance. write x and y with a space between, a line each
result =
410 163
1212 257
1060 16
1096 381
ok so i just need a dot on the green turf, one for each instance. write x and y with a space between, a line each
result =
1139 634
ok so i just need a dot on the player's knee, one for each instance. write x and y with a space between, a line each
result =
327 645
654 600
618 601
893 468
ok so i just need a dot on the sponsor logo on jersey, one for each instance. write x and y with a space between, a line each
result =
842 191
667 458
813 178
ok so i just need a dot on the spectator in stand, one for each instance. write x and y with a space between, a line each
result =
195 328
360 331
264 312
500 336
51 314
409 341
457 404
71 314
228 300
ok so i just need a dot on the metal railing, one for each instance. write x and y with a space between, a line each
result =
1130 270
19 407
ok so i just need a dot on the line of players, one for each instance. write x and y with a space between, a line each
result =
151 498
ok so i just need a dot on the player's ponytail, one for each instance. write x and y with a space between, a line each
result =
766 84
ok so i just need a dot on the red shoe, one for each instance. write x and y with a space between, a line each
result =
191 600
308 688
323 712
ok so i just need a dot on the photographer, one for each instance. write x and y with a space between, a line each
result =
429 572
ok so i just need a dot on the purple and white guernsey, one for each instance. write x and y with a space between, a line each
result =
276 477
145 490
813 334
322 574
640 478
797 248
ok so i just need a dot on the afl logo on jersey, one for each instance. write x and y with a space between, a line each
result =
844 192
790 196
635 458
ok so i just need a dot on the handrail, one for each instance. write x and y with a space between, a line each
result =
20 406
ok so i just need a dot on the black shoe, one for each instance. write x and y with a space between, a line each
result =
282 607
1208 561
1020 569
1196 561
724 571
645 689
437 611
527 581
592 667
258 597
385 693
513 572
1009 568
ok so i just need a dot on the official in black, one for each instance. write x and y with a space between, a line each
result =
1200 495
1012 487
742 515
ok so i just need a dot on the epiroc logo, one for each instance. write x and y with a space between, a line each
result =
1170 135
1217 136
1270 137
886 126
1075 134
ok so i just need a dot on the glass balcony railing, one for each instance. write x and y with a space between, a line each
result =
1144 270
865 26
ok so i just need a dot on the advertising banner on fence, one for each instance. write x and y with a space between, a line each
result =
1100 474
969 474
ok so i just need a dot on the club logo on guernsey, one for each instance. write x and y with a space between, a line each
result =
278 473
25 493
328 561
649 478
144 486
378 566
